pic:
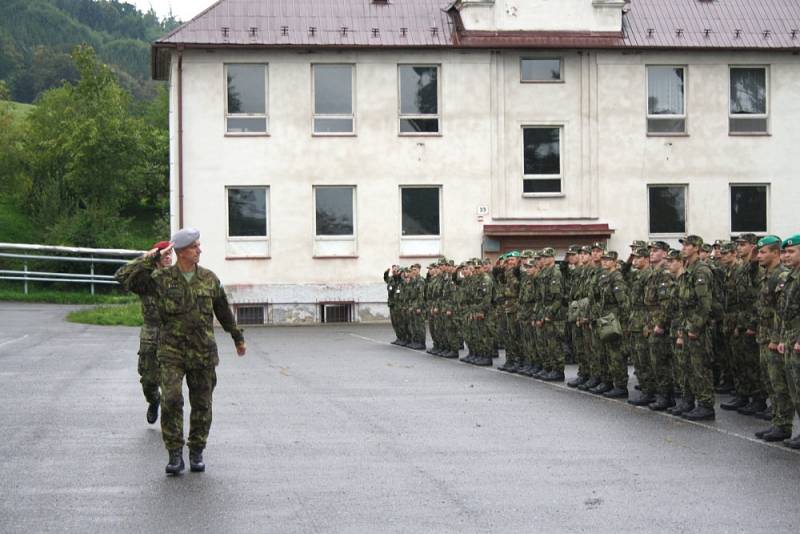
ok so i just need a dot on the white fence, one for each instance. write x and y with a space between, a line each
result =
35 253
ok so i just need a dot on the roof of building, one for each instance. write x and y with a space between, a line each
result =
660 24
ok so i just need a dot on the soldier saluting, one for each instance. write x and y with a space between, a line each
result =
188 297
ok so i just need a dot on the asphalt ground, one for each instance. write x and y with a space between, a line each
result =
331 429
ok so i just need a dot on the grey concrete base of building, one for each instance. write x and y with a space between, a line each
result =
334 430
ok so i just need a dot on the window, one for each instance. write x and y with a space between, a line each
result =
542 160
419 99
748 208
540 70
246 99
666 106
334 221
421 221
333 99
749 109
247 222
667 204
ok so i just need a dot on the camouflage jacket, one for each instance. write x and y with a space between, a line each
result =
186 310
637 282
509 291
415 293
449 292
613 297
392 287
745 283
767 304
527 297
149 332
478 294
694 297
789 309
658 298
550 295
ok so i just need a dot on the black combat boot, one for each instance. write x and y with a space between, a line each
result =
196 464
468 357
601 388
589 384
175 464
152 412
700 413
753 407
777 434
793 443
739 401
616 393
553 376
683 406
761 433
484 360
765 415
450 355
645 399
661 403
526 369
515 366
577 381
395 342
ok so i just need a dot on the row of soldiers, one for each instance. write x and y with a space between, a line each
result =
706 318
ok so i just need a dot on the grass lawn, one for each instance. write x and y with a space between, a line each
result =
119 315
18 109
12 292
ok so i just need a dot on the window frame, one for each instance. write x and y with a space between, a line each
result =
560 176
227 115
235 244
765 116
529 58
684 116
437 115
768 187
315 115
343 237
438 187
668 235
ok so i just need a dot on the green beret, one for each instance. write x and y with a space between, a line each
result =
513 254
610 255
747 238
768 240
791 241
548 252
674 254
695 240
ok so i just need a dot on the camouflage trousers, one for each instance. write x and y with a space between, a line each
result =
682 371
642 363
579 350
661 363
451 332
394 317
149 371
780 395
701 378
201 383
745 364
617 363
791 362
478 336
598 362
417 326
551 335
528 342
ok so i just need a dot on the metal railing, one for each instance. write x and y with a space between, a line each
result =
36 253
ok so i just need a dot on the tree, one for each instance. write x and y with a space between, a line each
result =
5 92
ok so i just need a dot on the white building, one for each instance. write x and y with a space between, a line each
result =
316 143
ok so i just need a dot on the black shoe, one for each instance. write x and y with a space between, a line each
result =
661 403
761 433
514 367
616 393
589 384
577 381
645 399
483 361
700 413
793 443
601 388
724 388
152 412
553 376
526 370
753 407
735 403
196 464
637 387
450 355
681 407
395 342
175 464
766 415
777 434
465 358
402 343
432 351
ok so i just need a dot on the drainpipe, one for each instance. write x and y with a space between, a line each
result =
180 137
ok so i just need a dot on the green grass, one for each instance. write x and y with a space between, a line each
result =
120 315
62 297
18 109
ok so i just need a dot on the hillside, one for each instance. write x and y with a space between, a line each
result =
36 37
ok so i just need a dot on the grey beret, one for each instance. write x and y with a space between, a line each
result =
185 237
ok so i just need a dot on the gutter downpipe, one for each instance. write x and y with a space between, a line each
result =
180 137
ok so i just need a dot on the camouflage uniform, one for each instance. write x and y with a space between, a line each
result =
525 316
186 345
658 292
451 336
148 350
640 348
788 327
508 330
612 297
433 294
416 310
576 293
744 346
598 365
392 291
550 297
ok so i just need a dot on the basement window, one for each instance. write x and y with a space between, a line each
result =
336 312
250 314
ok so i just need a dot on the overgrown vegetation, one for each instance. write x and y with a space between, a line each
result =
8 293
124 315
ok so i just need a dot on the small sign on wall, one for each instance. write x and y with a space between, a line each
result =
483 210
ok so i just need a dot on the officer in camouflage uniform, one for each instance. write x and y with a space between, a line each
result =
478 303
551 316
148 343
415 305
525 314
594 271
637 323
681 363
393 281
433 295
188 298
695 301
611 296
448 309
658 292
508 298
768 337
568 270
575 295
788 318
731 308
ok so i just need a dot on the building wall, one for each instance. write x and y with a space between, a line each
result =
607 156
542 15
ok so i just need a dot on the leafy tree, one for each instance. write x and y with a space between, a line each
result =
5 92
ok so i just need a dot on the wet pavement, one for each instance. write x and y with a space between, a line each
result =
331 429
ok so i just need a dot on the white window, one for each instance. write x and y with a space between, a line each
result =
666 102
539 70
749 204
248 226
542 167
333 99
334 221
246 98
667 210
419 99
421 230
749 102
